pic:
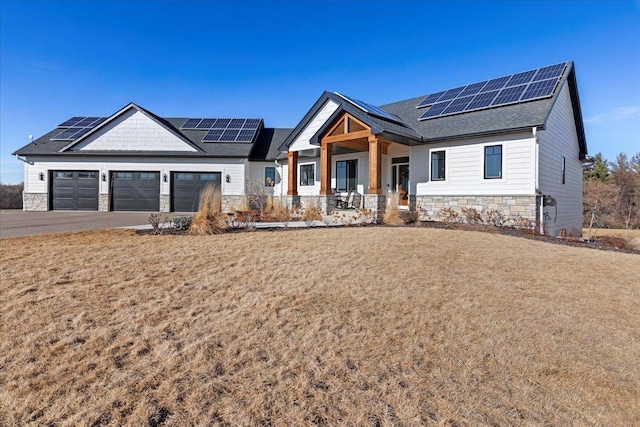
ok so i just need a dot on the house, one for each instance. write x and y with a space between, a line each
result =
137 161
513 144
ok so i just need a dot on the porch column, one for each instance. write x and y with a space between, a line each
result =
293 173
375 165
325 168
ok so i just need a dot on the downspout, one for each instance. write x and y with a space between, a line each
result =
26 181
534 131
279 166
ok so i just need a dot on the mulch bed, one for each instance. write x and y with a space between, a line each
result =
604 243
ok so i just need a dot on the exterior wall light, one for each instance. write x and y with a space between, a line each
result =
165 178
41 176
228 178
104 177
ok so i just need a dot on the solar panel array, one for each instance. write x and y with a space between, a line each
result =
371 109
520 87
75 127
225 130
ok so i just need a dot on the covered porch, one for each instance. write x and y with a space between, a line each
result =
352 159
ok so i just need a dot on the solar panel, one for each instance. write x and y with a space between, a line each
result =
190 124
521 78
252 123
435 109
213 135
508 95
371 109
519 87
246 135
236 123
496 83
430 99
229 135
539 89
205 124
473 89
221 124
82 122
71 122
550 72
458 104
482 100
451 93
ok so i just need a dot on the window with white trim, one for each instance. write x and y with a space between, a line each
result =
307 175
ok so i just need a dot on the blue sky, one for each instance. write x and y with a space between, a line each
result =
273 59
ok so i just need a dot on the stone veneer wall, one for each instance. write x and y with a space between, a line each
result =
103 202
165 203
35 202
376 203
525 206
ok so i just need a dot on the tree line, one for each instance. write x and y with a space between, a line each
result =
612 192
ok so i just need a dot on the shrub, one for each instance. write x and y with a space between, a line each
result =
209 219
157 224
492 217
448 215
471 216
182 222
312 214
11 196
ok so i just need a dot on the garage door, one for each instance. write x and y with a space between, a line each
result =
186 187
74 190
135 191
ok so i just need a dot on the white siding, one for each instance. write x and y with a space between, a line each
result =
557 140
464 167
309 190
235 168
302 141
256 175
362 169
135 131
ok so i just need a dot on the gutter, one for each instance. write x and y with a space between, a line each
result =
23 160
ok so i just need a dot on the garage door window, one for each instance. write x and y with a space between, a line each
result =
208 177
124 175
148 176
64 175
87 175
185 176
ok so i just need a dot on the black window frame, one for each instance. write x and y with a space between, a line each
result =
350 179
270 174
437 176
310 177
564 170
488 156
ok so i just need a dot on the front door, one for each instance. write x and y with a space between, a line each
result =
400 180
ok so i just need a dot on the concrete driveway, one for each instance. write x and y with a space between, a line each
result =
14 223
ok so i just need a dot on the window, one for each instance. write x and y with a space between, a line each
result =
148 176
64 175
124 175
437 166
269 176
87 175
307 174
493 162
346 175
564 169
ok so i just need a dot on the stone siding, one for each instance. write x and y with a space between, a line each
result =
429 207
35 202
103 202
165 203
376 203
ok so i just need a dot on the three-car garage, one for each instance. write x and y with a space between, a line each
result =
128 190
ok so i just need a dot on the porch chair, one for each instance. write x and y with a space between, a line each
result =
356 201
342 202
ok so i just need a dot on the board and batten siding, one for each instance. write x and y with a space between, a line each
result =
134 130
464 167
302 141
235 168
558 139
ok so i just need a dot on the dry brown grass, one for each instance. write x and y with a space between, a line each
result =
349 326
391 214
209 219
632 236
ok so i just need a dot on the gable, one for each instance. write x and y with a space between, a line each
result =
303 141
133 131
